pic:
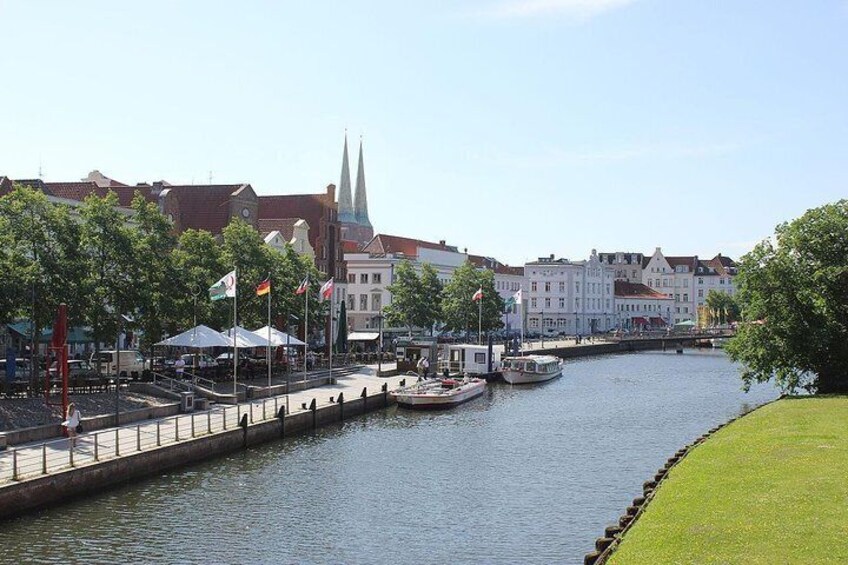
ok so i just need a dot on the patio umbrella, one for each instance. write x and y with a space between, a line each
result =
246 339
198 338
341 341
278 338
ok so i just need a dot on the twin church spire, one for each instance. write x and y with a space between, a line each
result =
353 212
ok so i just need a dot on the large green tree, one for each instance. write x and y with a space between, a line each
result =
460 312
416 298
198 264
41 260
793 291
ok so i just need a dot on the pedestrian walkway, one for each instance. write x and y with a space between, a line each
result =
40 458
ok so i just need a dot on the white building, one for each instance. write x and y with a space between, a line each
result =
639 307
627 264
569 297
279 232
717 274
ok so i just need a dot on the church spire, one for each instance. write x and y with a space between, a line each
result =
361 202
346 213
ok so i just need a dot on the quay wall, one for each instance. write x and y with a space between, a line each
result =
612 347
32 494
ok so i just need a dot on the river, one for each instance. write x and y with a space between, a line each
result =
523 475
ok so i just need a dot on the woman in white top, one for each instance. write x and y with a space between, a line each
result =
72 422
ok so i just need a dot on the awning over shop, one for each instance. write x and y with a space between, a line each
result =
657 322
639 321
363 336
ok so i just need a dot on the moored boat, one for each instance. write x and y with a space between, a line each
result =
439 393
530 368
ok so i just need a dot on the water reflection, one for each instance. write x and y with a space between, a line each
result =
523 474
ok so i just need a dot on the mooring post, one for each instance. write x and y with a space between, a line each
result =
341 407
385 394
314 407
282 416
364 397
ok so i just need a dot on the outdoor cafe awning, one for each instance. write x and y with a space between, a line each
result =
640 321
201 336
363 336
246 339
278 338
657 322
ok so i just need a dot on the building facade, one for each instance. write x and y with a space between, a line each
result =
627 265
638 307
569 297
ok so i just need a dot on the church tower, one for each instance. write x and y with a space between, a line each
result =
353 217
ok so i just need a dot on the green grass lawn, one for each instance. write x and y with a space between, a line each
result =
770 488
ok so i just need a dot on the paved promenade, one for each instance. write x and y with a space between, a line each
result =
40 458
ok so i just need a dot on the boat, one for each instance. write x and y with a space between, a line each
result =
468 359
530 368
439 392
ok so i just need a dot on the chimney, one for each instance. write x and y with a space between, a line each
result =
442 242
157 187
465 250
552 256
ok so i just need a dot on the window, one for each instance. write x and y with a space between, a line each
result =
547 287
363 301
686 283
533 286
700 293
376 301
351 302
720 281
577 303
562 286
561 303
532 303
479 358
578 285
685 298
700 280
650 282
547 302
351 278
363 278
534 322
377 278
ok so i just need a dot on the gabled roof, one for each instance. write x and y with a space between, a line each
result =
624 289
609 258
80 190
689 261
205 206
382 243
5 185
718 265
283 225
494 265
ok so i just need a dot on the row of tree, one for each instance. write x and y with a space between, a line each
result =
116 271
420 300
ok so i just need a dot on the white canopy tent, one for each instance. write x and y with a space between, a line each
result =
278 338
246 339
198 337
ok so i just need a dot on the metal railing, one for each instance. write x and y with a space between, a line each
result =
34 460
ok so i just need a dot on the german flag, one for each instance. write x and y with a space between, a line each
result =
264 287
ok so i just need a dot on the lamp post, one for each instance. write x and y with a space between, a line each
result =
379 318
291 317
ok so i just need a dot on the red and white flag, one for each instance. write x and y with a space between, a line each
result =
327 290
478 295
304 286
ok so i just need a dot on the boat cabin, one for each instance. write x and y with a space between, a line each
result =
459 358
540 364
410 350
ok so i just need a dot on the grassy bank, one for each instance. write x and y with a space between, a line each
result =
770 488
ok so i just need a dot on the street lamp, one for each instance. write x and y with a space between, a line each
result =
379 318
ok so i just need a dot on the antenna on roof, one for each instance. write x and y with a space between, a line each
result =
39 168
210 177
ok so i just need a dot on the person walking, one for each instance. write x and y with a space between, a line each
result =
73 424
179 365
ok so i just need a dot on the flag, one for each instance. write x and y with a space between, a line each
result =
264 287
224 288
304 286
509 303
517 297
478 295
327 289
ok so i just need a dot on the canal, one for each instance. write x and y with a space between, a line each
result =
529 475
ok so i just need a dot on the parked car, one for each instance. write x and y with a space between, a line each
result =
130 361
204 360
76 367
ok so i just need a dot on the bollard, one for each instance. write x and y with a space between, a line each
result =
117 444
385 394
209 421
282 416
44 458
224 418
251 412
341 407
243 424
96 455
15 465
158 435
402 383
276 408
177 429
71 453
314 408
238 411
192 424
138 438
264 406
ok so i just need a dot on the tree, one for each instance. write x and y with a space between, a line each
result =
112 268
794 298
153 246
198 264
406 297
431 289
460 312
41 261
722 308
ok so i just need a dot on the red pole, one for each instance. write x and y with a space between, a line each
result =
62 360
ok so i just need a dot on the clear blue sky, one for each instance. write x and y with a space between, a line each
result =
513 128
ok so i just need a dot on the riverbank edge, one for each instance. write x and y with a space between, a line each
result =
606 545
29 495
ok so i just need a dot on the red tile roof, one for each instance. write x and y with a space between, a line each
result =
382 243
493 264
350 246
310 207
283 225
689 261
79 191
205 207
624 289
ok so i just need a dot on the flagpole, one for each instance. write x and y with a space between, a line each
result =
235 325
268 348
305 329
521 294
332 303
480 321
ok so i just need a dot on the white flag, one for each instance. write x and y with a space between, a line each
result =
517 296
224 288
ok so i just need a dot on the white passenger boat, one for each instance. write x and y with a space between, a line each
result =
530 368
439 393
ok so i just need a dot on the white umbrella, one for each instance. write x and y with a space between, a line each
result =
199 337
246 339
277 337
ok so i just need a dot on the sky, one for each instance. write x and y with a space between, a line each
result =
512 128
